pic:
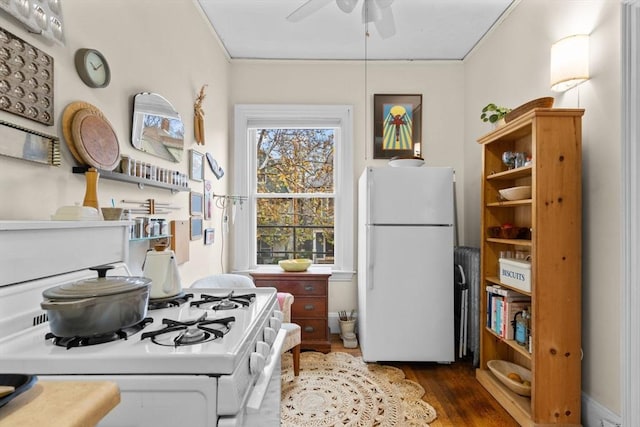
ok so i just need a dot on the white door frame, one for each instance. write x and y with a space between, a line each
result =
630 34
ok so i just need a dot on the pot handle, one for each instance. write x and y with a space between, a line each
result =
52 305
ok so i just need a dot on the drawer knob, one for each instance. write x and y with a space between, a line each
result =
308 329
309 306
308 288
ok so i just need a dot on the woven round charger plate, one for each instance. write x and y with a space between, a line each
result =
338 389
545 102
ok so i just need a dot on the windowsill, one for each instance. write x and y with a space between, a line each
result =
336 275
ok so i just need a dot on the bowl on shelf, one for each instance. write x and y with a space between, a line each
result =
509 374
406 162
515 193
545 102
500 232
112 214
299 264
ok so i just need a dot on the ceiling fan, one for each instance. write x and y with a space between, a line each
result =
376 11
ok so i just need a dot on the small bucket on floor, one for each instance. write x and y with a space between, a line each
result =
347 333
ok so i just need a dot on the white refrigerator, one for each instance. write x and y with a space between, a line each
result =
405 264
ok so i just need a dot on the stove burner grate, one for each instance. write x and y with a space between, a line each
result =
227 302
174 301
177 333
83 341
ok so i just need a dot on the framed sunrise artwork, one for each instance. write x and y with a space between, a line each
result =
397 125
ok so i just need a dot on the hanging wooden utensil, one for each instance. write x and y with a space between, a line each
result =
198 117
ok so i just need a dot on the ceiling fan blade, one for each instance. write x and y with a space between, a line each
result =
384 3
386 25
370 11
309 8
347 6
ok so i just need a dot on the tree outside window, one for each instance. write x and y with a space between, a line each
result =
295 194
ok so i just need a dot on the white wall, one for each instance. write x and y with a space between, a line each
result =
170 50
510 67
329 82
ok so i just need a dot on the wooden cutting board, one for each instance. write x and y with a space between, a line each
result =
95 140
180 240
61 404
67 119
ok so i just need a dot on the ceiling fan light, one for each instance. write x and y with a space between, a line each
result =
347 6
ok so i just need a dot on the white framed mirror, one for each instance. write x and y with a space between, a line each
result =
157 127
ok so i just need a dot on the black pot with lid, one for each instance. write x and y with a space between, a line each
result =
96 305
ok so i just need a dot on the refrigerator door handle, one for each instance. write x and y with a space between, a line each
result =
369 194
370 260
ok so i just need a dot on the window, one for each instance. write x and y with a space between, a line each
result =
294 164
294 193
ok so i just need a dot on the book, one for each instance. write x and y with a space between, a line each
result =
502 308
497 324
499 290
514 307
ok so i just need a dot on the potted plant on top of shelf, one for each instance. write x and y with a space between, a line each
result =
494 114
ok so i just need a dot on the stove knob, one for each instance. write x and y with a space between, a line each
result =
269 335
275 323
278 315
256 363
262 348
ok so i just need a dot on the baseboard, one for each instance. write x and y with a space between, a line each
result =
596 415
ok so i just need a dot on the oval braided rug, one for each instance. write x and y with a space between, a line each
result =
337 389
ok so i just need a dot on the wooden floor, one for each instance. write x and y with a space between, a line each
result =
452 390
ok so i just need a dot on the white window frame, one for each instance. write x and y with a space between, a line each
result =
248 116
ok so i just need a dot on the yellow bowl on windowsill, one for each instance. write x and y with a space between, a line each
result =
299 264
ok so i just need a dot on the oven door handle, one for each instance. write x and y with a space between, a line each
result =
262 383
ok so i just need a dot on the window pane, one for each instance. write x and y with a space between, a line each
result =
295 228
295 160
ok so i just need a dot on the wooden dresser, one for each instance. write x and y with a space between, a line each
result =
311 292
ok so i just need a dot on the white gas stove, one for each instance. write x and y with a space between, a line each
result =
209 360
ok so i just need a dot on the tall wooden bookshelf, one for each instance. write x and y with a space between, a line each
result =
552 137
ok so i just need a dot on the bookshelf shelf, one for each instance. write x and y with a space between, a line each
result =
496 281
508 204
514 242
510 343
553 139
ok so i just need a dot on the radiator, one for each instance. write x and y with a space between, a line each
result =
469 259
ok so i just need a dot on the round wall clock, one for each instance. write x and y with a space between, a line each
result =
92 68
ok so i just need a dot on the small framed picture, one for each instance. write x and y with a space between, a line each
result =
207 199
397 125
209 233
196 166
196 227
196 203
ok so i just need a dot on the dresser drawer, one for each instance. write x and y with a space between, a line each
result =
300 287
309 307
313 329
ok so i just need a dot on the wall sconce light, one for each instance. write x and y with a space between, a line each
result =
569 62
